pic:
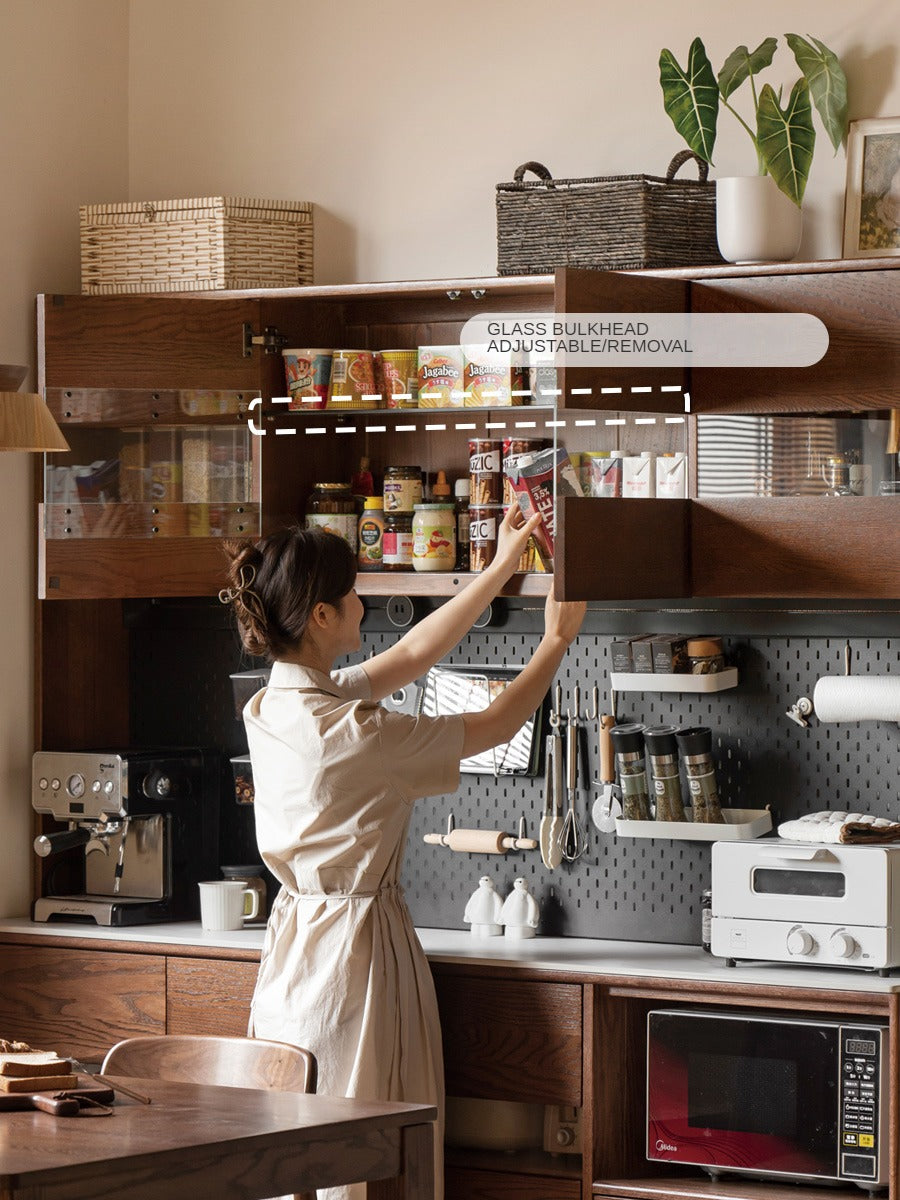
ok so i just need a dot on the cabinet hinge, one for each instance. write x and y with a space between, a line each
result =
270 339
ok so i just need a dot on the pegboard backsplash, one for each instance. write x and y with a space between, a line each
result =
620 888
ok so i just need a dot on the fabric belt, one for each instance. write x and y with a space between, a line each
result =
355 895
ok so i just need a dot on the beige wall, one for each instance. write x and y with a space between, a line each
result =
63 138
398 119
395 119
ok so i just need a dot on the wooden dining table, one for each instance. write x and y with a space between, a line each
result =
196 1142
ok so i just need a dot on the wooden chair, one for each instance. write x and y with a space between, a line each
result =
222 1061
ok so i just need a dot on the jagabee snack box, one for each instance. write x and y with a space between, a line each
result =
440 376
490 381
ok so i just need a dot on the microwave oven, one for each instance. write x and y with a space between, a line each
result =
769 1096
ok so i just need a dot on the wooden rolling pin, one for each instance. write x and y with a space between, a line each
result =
480 841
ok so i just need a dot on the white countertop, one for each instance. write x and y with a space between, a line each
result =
586 956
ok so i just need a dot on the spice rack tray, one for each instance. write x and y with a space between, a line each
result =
632 681
739 825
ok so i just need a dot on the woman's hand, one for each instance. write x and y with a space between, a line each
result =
563 619
512 538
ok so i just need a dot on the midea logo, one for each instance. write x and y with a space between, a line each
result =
660 1145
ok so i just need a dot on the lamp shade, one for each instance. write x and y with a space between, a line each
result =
26 422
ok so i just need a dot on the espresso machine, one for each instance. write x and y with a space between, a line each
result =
145 823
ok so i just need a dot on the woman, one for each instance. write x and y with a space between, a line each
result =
335 775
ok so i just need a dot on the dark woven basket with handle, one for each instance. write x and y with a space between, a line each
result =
616 222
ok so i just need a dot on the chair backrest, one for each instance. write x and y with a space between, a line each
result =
223 1061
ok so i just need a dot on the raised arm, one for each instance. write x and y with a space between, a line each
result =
429 640
506 715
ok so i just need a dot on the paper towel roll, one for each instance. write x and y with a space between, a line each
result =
857 698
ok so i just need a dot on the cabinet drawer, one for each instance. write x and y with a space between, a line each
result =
509 1040
79 1002
463 1183
209 996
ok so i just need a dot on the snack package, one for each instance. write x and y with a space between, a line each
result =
532 481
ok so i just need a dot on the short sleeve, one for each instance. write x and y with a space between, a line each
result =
353 682
422 754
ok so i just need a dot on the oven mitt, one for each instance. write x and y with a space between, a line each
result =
843 827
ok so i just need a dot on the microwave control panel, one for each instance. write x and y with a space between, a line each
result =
861 1065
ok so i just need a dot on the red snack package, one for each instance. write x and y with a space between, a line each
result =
531 478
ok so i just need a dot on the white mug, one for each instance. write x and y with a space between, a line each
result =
223 902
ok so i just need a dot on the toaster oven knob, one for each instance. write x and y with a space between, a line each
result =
843 944
800 941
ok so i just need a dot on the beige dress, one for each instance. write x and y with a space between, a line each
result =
342 971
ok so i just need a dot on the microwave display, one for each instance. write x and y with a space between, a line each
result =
765 1095
769 881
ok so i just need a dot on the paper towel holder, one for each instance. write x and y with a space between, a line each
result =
803 708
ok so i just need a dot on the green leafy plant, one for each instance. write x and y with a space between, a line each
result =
784 138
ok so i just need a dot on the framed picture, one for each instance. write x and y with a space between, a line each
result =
872 199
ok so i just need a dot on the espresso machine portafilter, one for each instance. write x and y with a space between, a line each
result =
146 822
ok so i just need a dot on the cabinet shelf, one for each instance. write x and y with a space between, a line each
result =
633 681
521 1162
693 1187
737 825
443 583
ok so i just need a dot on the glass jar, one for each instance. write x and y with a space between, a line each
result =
705 656
370 534
463 520
402 490
662 750
695 745
331 507
397 542
836 474
628 743
706 920
434 537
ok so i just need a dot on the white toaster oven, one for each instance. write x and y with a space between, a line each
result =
829 905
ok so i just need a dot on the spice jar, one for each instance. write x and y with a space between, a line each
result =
695 745
370 534
628 744
662 749
706 920
331 507
402 489
483 522
397 543
434 537
705 656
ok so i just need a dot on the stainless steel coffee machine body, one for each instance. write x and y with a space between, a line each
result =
146 825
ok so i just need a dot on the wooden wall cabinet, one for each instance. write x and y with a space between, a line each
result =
106 361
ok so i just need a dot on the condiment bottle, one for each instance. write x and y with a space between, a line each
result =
331 507
397 544
440 492
628 743
461 491
371 534
695 745
662 749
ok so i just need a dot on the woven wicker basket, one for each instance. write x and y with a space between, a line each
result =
195 245
614 223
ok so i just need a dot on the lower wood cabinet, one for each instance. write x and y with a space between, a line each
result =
463 1183
210 996
80 1002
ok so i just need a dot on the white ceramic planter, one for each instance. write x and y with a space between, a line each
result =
755 221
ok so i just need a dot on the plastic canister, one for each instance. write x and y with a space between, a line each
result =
434 537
